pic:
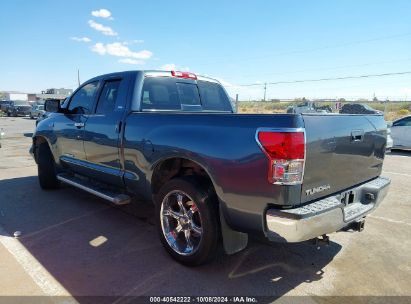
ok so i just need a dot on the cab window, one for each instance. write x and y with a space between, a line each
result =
82 101
108 97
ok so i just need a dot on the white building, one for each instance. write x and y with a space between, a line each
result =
13 95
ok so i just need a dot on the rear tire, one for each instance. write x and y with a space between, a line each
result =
199 220
46 168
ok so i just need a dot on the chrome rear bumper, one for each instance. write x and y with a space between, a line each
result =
326 215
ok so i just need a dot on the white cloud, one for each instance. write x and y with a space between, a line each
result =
135 41
120 50
99 48
81 39
106 30
131 61
102 13
173 67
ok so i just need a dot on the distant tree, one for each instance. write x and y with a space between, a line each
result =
341 100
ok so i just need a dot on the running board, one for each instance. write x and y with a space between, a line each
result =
116 198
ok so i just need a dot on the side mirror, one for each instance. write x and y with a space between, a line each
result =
52 106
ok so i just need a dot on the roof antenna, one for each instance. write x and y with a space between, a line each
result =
78 77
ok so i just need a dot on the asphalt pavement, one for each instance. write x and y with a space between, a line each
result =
74 244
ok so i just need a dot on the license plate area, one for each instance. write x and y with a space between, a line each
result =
348 197
353 207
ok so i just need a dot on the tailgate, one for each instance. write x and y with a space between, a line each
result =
341 151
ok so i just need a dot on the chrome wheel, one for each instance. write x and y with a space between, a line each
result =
181 222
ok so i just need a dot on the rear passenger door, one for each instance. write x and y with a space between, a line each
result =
103 129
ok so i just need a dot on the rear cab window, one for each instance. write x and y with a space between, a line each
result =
174 94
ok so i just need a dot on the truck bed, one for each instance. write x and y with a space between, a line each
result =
225 146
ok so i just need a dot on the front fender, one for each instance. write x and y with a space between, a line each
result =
44 133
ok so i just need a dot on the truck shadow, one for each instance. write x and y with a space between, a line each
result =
401 152
94 249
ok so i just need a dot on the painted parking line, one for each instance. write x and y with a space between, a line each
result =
40 276
396 173
389 220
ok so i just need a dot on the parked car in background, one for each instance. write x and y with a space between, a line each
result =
18 108
37 111
358 108
390 141
401 133
308 107
4 104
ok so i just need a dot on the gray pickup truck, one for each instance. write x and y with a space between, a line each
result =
215 176
18 108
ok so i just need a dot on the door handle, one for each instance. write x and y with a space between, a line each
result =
118 127
79 124
357 135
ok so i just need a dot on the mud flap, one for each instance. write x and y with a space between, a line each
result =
233 241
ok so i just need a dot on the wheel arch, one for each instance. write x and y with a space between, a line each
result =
166 169
178 166
38 140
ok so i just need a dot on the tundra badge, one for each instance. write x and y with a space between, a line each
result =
317 189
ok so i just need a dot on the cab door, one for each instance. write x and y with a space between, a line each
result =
103 129
69 126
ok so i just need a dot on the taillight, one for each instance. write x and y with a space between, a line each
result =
286 155
184 75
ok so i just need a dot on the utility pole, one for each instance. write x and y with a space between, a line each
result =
265 90
78 77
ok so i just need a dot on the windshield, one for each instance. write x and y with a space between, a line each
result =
166 93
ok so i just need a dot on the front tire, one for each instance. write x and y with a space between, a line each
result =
46 168
187 221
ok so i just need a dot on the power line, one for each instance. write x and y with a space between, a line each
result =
311 50
326 79
332 68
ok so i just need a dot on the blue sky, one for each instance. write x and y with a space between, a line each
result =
239 42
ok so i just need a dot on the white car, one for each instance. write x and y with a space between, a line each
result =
390 141
401 133
37 111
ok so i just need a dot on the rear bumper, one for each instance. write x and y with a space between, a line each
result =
326 215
